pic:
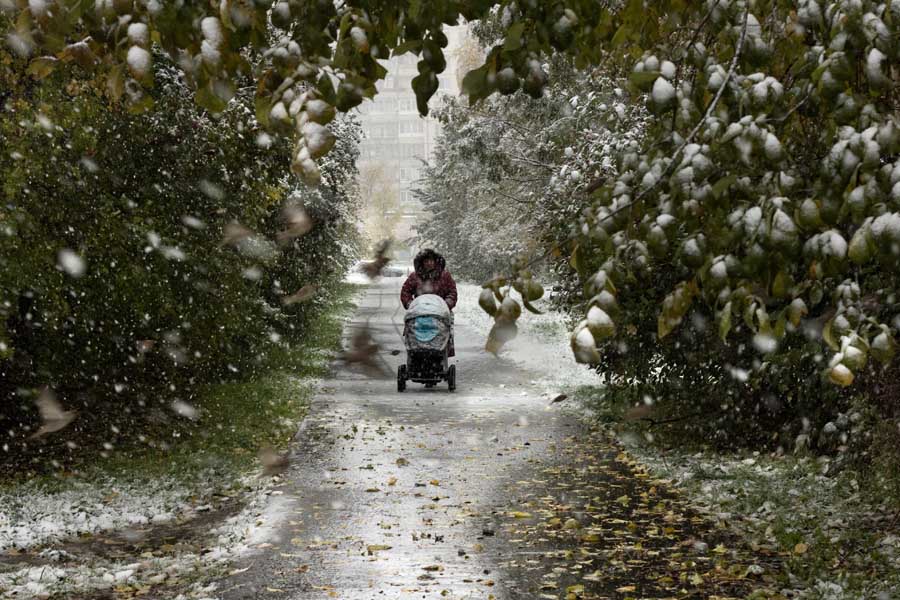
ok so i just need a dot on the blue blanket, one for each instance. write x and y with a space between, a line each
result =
426 328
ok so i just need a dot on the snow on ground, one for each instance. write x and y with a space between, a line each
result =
764 497
774 498
542 346
31 517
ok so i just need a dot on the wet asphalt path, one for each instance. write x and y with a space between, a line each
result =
394 495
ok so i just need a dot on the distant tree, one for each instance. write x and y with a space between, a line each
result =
380 202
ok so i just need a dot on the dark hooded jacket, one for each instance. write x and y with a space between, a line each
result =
437 281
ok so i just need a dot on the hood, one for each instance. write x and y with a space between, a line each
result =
419 261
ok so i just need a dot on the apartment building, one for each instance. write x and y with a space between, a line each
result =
397 137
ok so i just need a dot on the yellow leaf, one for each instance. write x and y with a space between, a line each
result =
720 549
626 588
696 579
42 66
801 548
373 548
115 83
520 515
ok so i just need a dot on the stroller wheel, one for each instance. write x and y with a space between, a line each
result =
401 378
451 378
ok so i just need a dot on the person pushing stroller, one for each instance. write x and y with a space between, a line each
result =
430 276
428 295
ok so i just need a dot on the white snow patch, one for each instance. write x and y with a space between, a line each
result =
138 61
31 516
71 263
212 30
139 34
541 347
663 92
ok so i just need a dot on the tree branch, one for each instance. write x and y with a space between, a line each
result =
712 105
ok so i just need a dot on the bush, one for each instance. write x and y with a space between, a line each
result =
142 255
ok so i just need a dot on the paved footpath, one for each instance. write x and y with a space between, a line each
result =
487 492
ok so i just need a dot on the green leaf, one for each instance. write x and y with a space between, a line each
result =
414 46
263 106
725 321
828 336
115 83
674 307
474 84
621 36
486 301
326 89
425 84
514 36
208 99
530 307
577 262
643 80
723 185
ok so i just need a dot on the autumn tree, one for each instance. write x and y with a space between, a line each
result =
762 196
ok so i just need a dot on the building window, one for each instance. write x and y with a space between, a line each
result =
381 130
412 151
412 127
385 105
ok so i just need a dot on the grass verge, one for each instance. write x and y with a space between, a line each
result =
234 420
839 538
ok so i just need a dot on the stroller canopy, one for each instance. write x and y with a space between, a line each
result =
429 305
429 323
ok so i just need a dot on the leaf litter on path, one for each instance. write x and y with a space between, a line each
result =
592 523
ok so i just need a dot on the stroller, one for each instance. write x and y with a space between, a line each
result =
426 333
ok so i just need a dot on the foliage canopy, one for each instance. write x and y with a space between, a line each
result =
137 261
767 183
